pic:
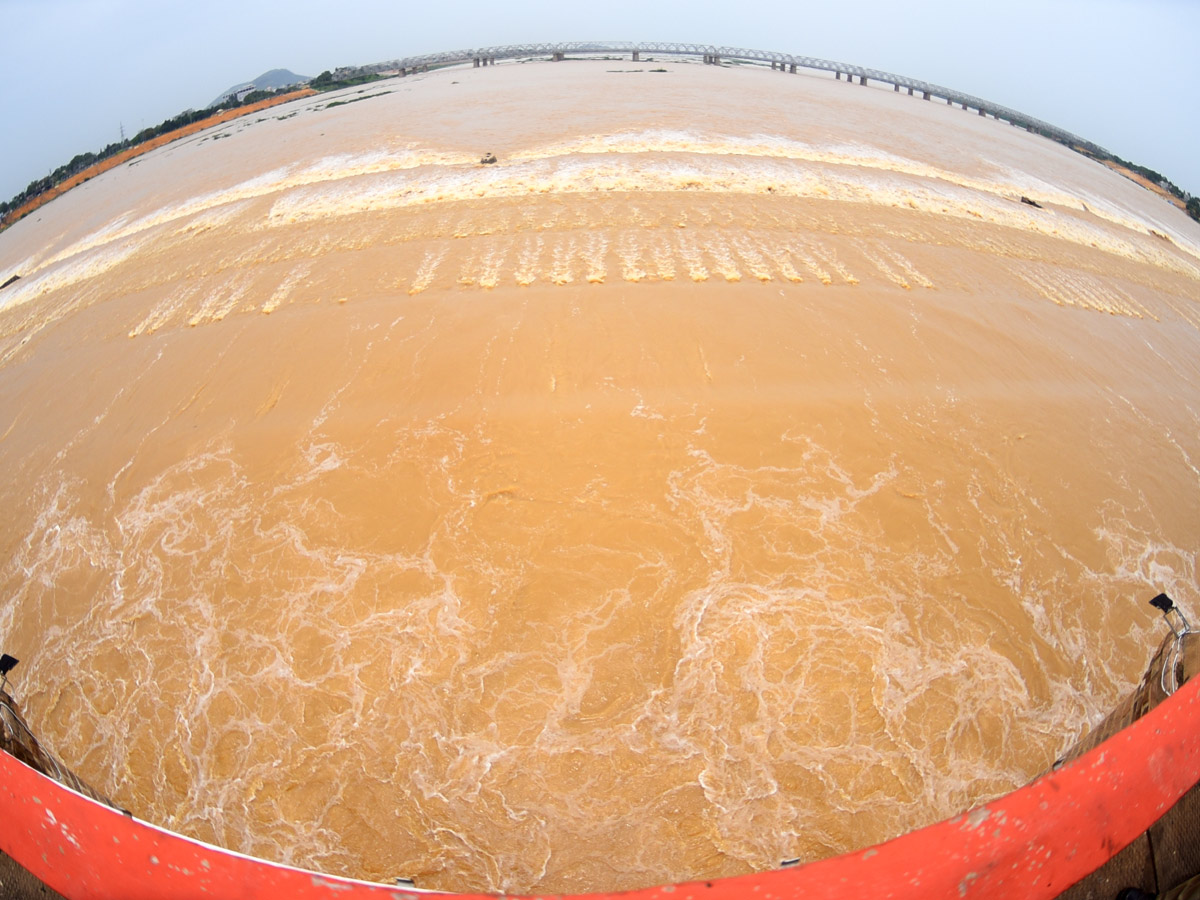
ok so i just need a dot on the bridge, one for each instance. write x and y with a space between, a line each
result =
712 55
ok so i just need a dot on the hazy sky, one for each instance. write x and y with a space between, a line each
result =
1121 73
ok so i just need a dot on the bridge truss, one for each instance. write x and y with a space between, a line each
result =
715 55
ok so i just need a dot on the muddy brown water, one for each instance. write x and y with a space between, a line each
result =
735 471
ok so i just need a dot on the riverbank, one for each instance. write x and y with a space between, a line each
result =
154 143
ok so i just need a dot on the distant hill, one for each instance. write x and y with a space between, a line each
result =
267 81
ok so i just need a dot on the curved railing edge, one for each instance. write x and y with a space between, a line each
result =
1034 842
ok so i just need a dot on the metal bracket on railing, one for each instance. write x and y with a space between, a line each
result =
6 665
1167 605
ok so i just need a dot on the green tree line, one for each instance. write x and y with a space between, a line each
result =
1191 204
327 81
68 170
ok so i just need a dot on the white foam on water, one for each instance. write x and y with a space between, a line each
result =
377 611
69 274
823 177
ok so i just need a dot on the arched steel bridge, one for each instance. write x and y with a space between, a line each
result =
786 62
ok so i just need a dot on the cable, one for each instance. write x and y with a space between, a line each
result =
1170 664
1171 657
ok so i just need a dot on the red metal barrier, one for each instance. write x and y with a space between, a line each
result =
1032 844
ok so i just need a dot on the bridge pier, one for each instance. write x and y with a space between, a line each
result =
896 88
862 79
637 57
982 113
910 92
475 61
558 56
792 69
837 76
926 95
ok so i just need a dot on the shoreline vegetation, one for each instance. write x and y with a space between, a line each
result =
1150 180
86 166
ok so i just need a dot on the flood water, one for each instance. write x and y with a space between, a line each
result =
735 471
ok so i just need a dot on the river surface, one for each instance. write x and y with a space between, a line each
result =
735 471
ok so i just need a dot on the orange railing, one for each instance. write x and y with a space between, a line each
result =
1033 843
